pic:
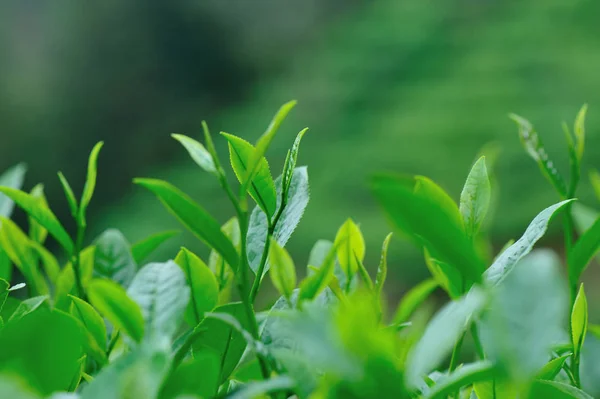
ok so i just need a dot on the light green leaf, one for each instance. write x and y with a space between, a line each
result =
198 153
506 262
42 215
447 276
113 259
466 375
526 316
138 374
319 252
579 321
51 266
383 267
413 299
254 163
312 285
161 292
580 131
15 388
350 246
194 217
65 284
43 348
211 333
290 163
475 197
37 232
203 285
556 390
184 380
552 368
90 319
221 269
17 246
283 271
586 247
73 206
262 187
90 183
534 147
257 229
142 249
595 180
26 307
260 389
111 300
421 209
12 178
442 332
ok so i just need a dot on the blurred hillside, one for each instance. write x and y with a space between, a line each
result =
411 86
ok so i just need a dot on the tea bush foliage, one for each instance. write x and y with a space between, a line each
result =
107 324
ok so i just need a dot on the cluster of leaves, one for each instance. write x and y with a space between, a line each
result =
108 325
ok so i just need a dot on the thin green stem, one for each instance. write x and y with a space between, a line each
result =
477 342
77 260
454 358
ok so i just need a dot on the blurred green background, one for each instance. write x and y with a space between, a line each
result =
413 86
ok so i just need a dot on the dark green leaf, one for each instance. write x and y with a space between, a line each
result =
475 197
186 380
586 247
424 211
113 259
90 183
203 285
142 249
43 349
91 320
258 226
413 299
73 206
442 333
198 153
193 217
5 265
534 147
526 316
12 178
579 321
262 188
161 292
111 300
505 262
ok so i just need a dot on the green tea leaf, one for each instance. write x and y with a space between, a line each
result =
260 389
526 316
12 178
413 299
221 269
475 197
283 271
382 268
51 266
37 232
90 183
350 246
5 265
29 305
312 285
223 339
113 259
41 214
162 293
262 187
447 276
419 208
442 332
466 375
73 206
595 180
534 147
203 286
15 388
290 163
111 300
198 153
184 380
195 218
506 262
552 368
90 319
142 249
579 321
17 246
319 252
43 349
556 390
580 131
258 226
65 284
254 162
586 247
